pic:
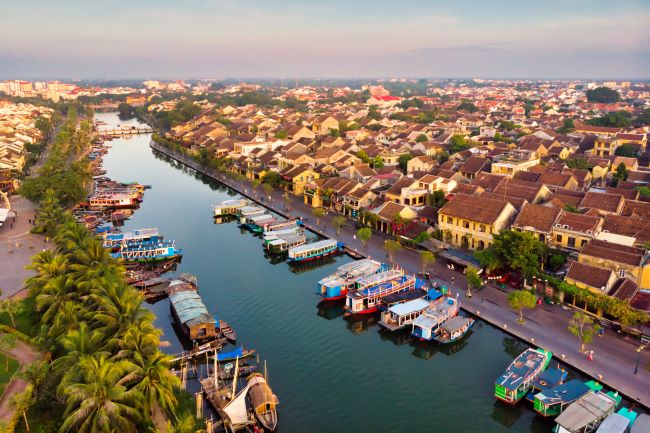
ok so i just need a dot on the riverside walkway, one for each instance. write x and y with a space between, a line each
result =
615 357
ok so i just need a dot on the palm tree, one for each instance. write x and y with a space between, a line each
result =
67 319
10 307
118 307
47 265
55 293
79 344
140 338
154 381
97 402
7 343
185 424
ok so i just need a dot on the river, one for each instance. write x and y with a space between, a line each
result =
330 374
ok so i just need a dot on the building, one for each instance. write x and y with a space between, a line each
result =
514 161
625 261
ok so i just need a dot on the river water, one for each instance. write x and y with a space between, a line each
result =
330 374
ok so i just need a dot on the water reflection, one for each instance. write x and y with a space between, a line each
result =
358 325
330 310
513 347
300 267
504 414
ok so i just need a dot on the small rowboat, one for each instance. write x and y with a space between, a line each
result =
227 331
239 352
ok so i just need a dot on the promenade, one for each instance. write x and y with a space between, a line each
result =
615 357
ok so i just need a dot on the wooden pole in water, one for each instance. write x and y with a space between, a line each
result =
183 375
199 405
208 426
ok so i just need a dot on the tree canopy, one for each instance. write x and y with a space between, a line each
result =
521 251
603 94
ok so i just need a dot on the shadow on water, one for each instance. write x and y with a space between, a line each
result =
300 267
330 310
361 324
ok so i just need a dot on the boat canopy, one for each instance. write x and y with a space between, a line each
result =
568 391
455 323
238 352
585 411
260 392
642 424
615 423
236 410
550 378
409 307
521 368
188 305
313 246
434 315
402 297
434 294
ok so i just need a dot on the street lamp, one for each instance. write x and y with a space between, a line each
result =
638 356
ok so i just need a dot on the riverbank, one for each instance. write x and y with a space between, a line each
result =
615 358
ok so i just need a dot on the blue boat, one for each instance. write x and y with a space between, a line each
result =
368 296
337 285
238 353
148 252
138 236
427 326
549 379
552 401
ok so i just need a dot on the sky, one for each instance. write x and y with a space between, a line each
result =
166 39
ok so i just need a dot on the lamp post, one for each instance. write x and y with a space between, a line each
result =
638 356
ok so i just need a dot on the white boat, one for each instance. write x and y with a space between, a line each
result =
586 414
427 325
313 251
402 315
229 207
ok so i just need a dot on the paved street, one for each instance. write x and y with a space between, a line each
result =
615 357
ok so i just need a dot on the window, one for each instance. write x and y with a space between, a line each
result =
558 238
621 273
571 242
583 242
466 224
449 220
482 228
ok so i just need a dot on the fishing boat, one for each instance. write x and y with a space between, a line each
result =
367 298
337 285
238 353
518 378
113 201
641 424
284 244
189 311
228 371
115 240
549 379
552 402
587 413
263 400
313 251
619 422
229 207
148 252
427 325
454 329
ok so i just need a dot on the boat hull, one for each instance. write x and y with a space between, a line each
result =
312 258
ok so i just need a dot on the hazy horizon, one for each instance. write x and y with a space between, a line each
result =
256 39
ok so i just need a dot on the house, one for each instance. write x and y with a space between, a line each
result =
420 163
359 172
298 177
600 131
473 166
470 221
514 161
383 101
627 262
297 132
572 231
407 191
323 125
592 278
388 212
433 183
603 202
538 220
561 180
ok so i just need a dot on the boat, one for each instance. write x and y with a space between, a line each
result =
313 251
267 237
402 315
619 422
587 413
148 252
263 400
518 378
228 371
549 379
115 240
454 329
367 298
283 244
641 424
249 211
227 331
337 285
552 402
113 201
427 325
282 225
238 353
401 297
229 207
189 311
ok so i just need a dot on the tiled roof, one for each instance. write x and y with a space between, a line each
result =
614 252
589 275
601 201
624 289
626 226
540 218
474 208
578 222
474 164
637 209
555 179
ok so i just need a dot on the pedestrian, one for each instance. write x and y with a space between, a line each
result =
30 221
590 357
601 331
354 237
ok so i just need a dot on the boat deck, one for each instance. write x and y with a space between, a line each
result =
521 368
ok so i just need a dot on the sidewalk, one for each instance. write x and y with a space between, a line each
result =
546 326
25 354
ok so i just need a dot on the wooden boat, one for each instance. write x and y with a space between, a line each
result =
454 329
587 413
263 400
401 297
367 298
227 372
618 422
518 378
313 251
189 311
283 225
229 207
552 402
337 285
238 353
227 331
402 315
283 244
268 237
115 240
148 252
427 325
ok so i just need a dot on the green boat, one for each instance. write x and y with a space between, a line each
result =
516 381
551 402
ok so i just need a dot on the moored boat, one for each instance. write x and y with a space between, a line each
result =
282 225
237 353
619 422
454 329
337 285
315 250
549 379
229 207
263 400
283 244
148 252
115 240
367 298
641 424
587 413
518 378
427 325
552 402
402 315
189 311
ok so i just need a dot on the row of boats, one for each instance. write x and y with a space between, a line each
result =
403 300
579 406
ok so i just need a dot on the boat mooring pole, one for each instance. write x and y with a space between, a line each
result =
199 405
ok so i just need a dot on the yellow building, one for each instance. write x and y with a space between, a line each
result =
299 176
626 262
322 125
572 231
515 161
469 221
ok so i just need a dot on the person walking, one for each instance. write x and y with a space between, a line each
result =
590 357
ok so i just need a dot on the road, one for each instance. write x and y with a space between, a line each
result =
614 359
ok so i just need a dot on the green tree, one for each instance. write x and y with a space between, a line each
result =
582 326
458 143
281 134
10 307
377 162
338 222
392 247
154 381
628 150
467 106
570 208
421 138
474 280
125 110
620 174
556 261
334 132
403 161
427 258
364 234
373 113
44 125
318 213
580 163
603 94
7 344
363 156
519 300
568 126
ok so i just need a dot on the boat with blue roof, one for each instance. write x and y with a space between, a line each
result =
336 286
367 298
314 251
427 326
115 240
549 379
551 402
517 380
148 252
